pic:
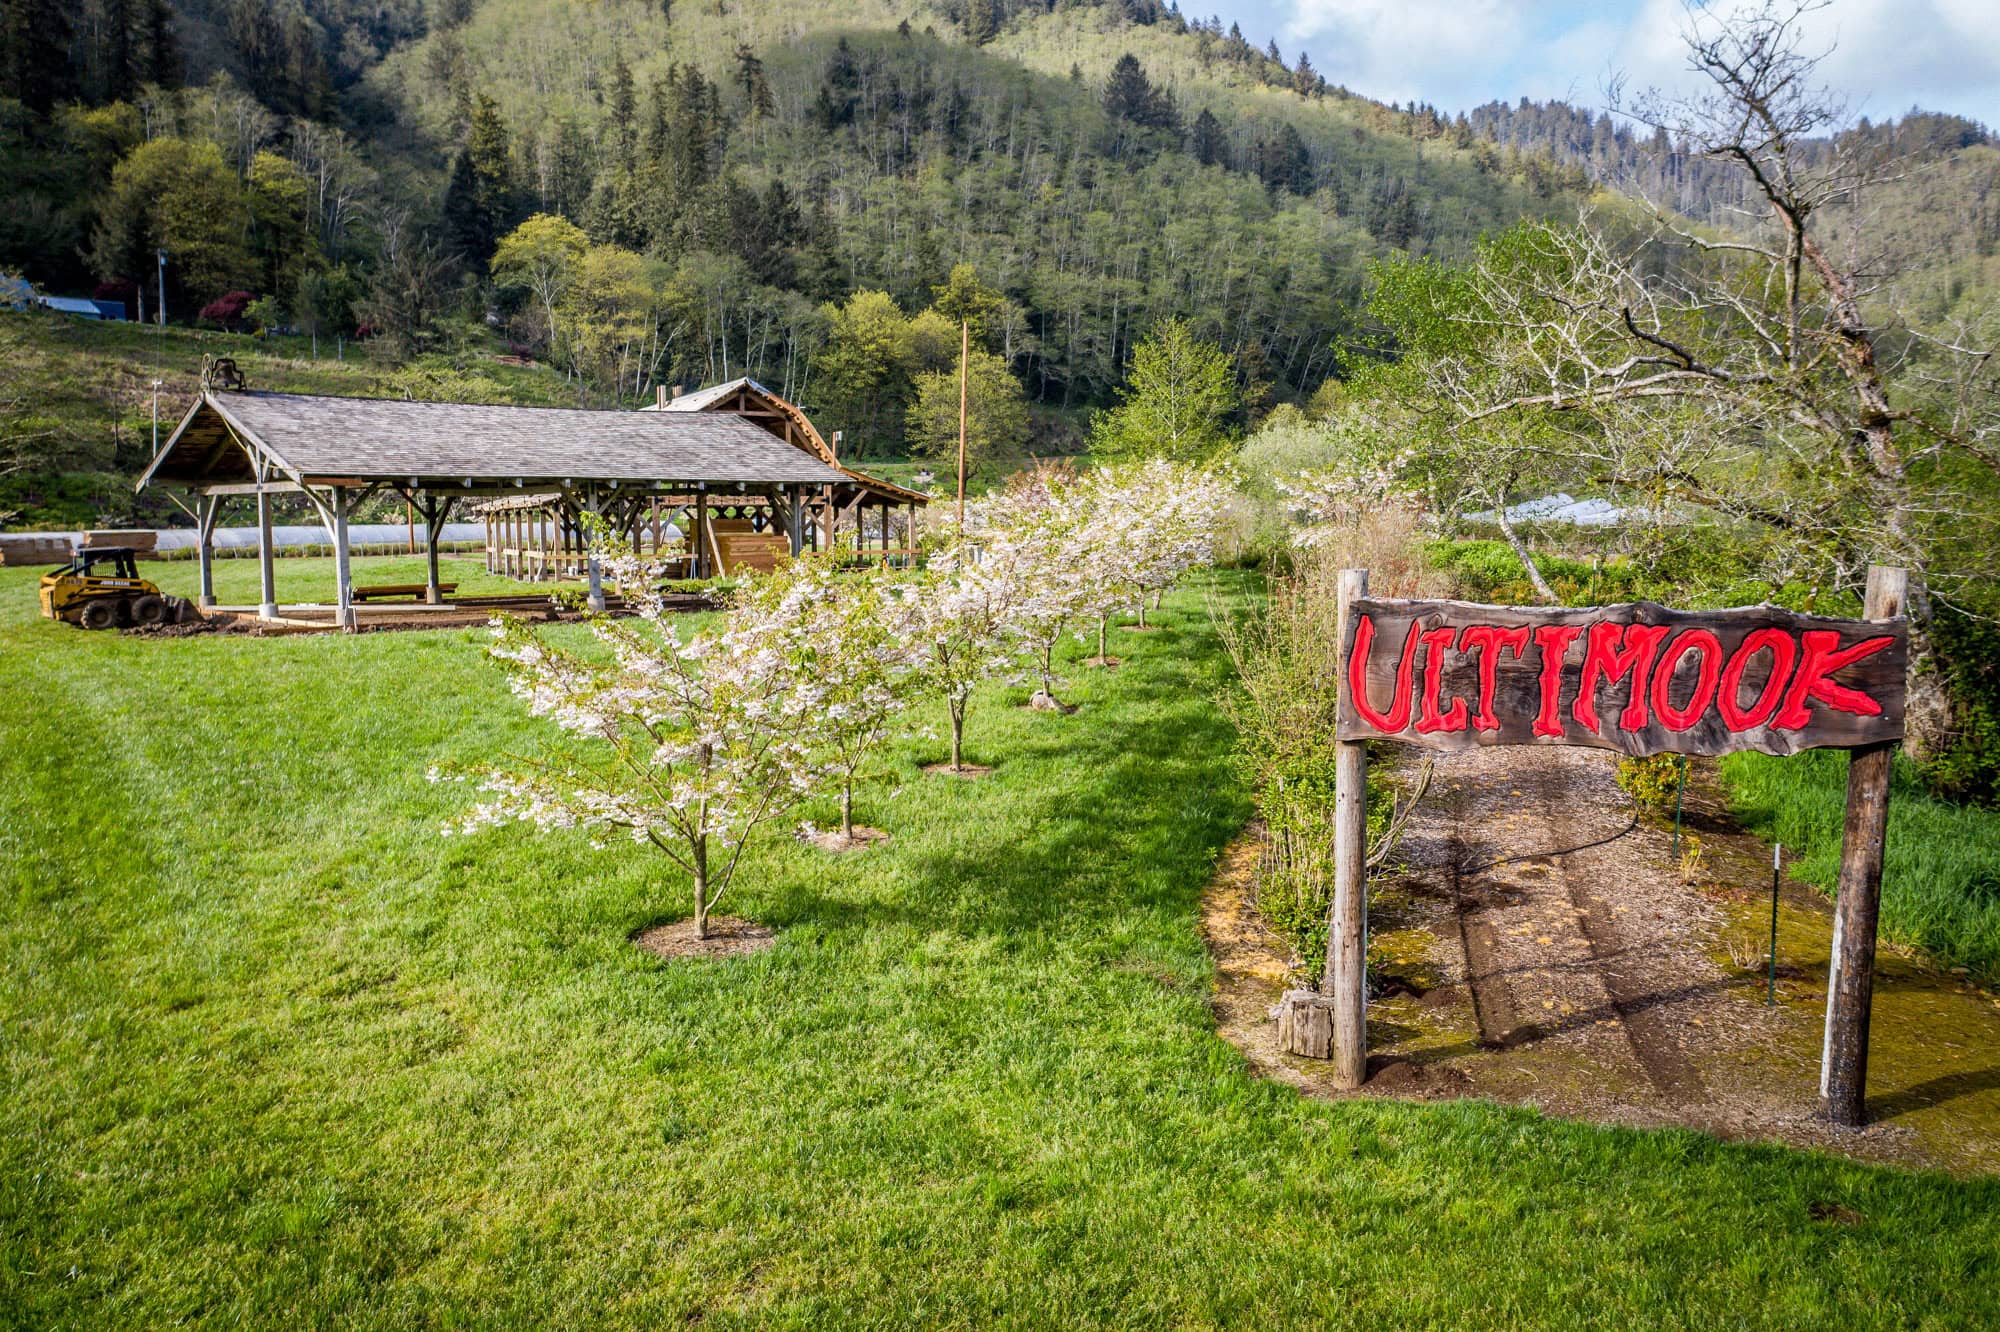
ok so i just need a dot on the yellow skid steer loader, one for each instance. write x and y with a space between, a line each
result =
79 594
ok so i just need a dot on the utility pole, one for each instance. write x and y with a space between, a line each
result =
160 312
156 418
964 355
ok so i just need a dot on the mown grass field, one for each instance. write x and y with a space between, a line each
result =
277 1054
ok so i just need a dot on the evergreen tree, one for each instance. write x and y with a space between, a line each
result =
1283 162
163 47
1208 143
34 53
1127 93
1130 96
468 230
121 68
1305 80
756 88
624 117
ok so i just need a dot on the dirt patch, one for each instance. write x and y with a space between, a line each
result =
1537 947
965 772
1106 663
836 841
728 936
214 624
1041 702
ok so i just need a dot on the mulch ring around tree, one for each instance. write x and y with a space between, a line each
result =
1108 663
965 772
728 936
1041 702
836 841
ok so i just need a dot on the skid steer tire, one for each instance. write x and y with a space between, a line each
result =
148 609
98 615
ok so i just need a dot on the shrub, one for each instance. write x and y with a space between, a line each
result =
1652 782
227 309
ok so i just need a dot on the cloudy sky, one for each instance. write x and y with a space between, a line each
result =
1887 54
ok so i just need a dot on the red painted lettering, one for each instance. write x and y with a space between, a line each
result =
1489 641
1436 643
1683 718
1815 679
1398 715
1729 700
1606 658
1554 641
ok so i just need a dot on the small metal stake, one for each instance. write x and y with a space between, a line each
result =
1679 791
1771 987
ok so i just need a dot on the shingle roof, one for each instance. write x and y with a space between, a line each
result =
313 436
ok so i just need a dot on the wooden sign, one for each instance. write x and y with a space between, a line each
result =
1636 678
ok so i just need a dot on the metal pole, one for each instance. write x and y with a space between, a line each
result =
160 311
1679 791
964 356
156 418
1771 987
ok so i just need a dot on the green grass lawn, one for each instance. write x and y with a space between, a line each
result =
1940 874
310 578
278 1054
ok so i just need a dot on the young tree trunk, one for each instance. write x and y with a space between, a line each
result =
847 808
1049 670
701 888
957 733
1142 610
1524 555
1102 621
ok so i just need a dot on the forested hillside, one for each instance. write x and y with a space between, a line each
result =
641 192
740 174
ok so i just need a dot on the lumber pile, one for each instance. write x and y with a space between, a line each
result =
33 549
142 542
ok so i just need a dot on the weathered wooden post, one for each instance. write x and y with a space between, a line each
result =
593 536
267 576
343 575
1332 1023
206 510
434 515
1850 982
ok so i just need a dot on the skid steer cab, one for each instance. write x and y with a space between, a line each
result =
101 589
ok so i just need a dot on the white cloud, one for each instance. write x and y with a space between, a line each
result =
1416 49
1885 55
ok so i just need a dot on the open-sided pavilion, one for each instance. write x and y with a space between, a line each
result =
337 452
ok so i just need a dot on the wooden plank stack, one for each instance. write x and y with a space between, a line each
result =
30 549
141 542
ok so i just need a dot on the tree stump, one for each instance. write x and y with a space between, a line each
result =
1305 1024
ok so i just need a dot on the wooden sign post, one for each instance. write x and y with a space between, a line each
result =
1640 679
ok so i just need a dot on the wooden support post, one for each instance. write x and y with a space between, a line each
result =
1850 984
343 576
267 577
596 600
1333 1023
701 533
795 529
433 521
206 508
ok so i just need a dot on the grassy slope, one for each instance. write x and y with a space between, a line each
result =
1941 877
276 1052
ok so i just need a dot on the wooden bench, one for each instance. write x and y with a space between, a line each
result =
738 552
414 591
